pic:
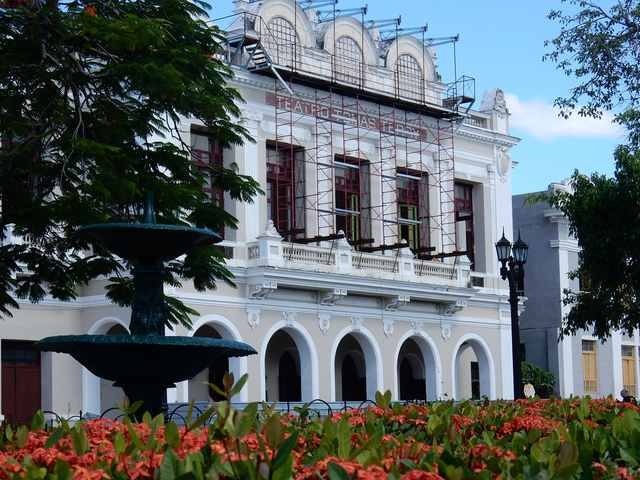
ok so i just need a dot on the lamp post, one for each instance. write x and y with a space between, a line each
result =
512 259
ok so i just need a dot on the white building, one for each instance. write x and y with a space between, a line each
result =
356 133
581 364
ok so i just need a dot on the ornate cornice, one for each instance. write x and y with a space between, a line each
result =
568 245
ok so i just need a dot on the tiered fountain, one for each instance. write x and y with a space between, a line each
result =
146 362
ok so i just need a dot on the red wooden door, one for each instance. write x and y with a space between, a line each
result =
20 381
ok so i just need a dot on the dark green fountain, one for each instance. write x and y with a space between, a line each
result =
146 362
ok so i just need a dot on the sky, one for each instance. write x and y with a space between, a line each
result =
501 45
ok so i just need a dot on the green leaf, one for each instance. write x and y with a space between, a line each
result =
202 419
454 473
246 419
539 454
235 389
167 470
433 423
37 422
62 470
131 410
146 418
56 435
22 434
133 436
79 439
567 455
172 435
284 451
344 438
119 443
336 472
284 471
273 430
628 457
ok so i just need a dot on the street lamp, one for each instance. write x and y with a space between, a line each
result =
512 259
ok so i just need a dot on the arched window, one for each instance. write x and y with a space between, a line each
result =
282 41
409 78
348 60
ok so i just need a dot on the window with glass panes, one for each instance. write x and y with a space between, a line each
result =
351 177
411 188
409 75
629 369
285 189
475 381
282 42
463 200
348 60
207 154
589 367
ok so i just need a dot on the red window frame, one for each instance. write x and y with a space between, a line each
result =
410 186
350 198
463 201
285 185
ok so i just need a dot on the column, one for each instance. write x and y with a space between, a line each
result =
565 347
180 393
506 355
616 366
250 158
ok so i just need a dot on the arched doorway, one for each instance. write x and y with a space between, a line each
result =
411 372
473 376
199 390
110 395
417 369
356 368
282 369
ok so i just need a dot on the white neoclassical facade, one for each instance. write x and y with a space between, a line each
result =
368 264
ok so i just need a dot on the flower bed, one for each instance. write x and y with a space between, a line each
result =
543 439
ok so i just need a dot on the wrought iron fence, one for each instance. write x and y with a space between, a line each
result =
183 413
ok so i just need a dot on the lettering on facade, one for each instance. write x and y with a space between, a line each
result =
345 116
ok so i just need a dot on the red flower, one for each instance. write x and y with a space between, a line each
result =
90 10
421 475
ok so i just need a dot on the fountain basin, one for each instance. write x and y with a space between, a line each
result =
145 359
149 240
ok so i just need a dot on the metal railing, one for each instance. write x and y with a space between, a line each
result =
182 413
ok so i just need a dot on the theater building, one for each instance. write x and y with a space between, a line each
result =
369 263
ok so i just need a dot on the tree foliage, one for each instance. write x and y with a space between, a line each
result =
93 97
600 49
604 215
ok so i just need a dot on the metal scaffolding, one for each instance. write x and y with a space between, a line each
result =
332 182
